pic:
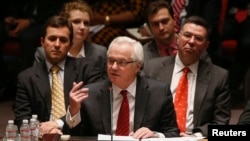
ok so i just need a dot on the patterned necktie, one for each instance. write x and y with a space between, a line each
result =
122 128
58 104
178 5
180 101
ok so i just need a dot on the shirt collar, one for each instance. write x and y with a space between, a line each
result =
131 89
179 65
81 54
61 65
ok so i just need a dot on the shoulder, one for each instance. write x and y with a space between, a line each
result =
95 46
160 60
156 63
152 83
150 44
99 84
156 88
213 68
39 51
98 87
37 68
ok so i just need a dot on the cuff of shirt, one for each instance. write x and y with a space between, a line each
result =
60 123
159 135
73 121
198 134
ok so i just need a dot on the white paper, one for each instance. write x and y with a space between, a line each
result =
134 32
102 137
96 28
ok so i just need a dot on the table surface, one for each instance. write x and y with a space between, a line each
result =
75 138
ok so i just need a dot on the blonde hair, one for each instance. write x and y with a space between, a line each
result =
75 5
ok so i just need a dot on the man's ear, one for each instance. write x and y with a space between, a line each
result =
42 41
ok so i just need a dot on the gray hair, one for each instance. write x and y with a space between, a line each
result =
138 54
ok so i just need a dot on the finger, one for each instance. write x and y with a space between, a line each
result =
76 86
137 134
131 133
80 93
143 133
83 98
80 97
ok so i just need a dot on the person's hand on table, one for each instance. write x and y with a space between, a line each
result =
143 133
49 127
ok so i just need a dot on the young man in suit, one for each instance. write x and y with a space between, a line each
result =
151 110
209 100
34 86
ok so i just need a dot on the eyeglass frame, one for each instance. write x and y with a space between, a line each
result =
120 63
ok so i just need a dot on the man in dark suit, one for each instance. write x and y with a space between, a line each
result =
34 84
151 111
209 99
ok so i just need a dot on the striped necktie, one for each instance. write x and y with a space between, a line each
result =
58 103
122 128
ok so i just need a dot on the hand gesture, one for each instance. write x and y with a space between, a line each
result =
77 95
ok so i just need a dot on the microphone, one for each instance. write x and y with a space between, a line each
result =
111 111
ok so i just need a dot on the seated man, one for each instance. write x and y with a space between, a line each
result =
35 86
207 93
146 103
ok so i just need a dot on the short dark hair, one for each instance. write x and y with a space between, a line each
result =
155 6
198 21
56 22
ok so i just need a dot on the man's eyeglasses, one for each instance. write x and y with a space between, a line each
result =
120 63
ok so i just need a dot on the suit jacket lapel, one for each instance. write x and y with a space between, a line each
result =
141 99
105 106
41 80
70 74
153 49
203 77
165 73
87 49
